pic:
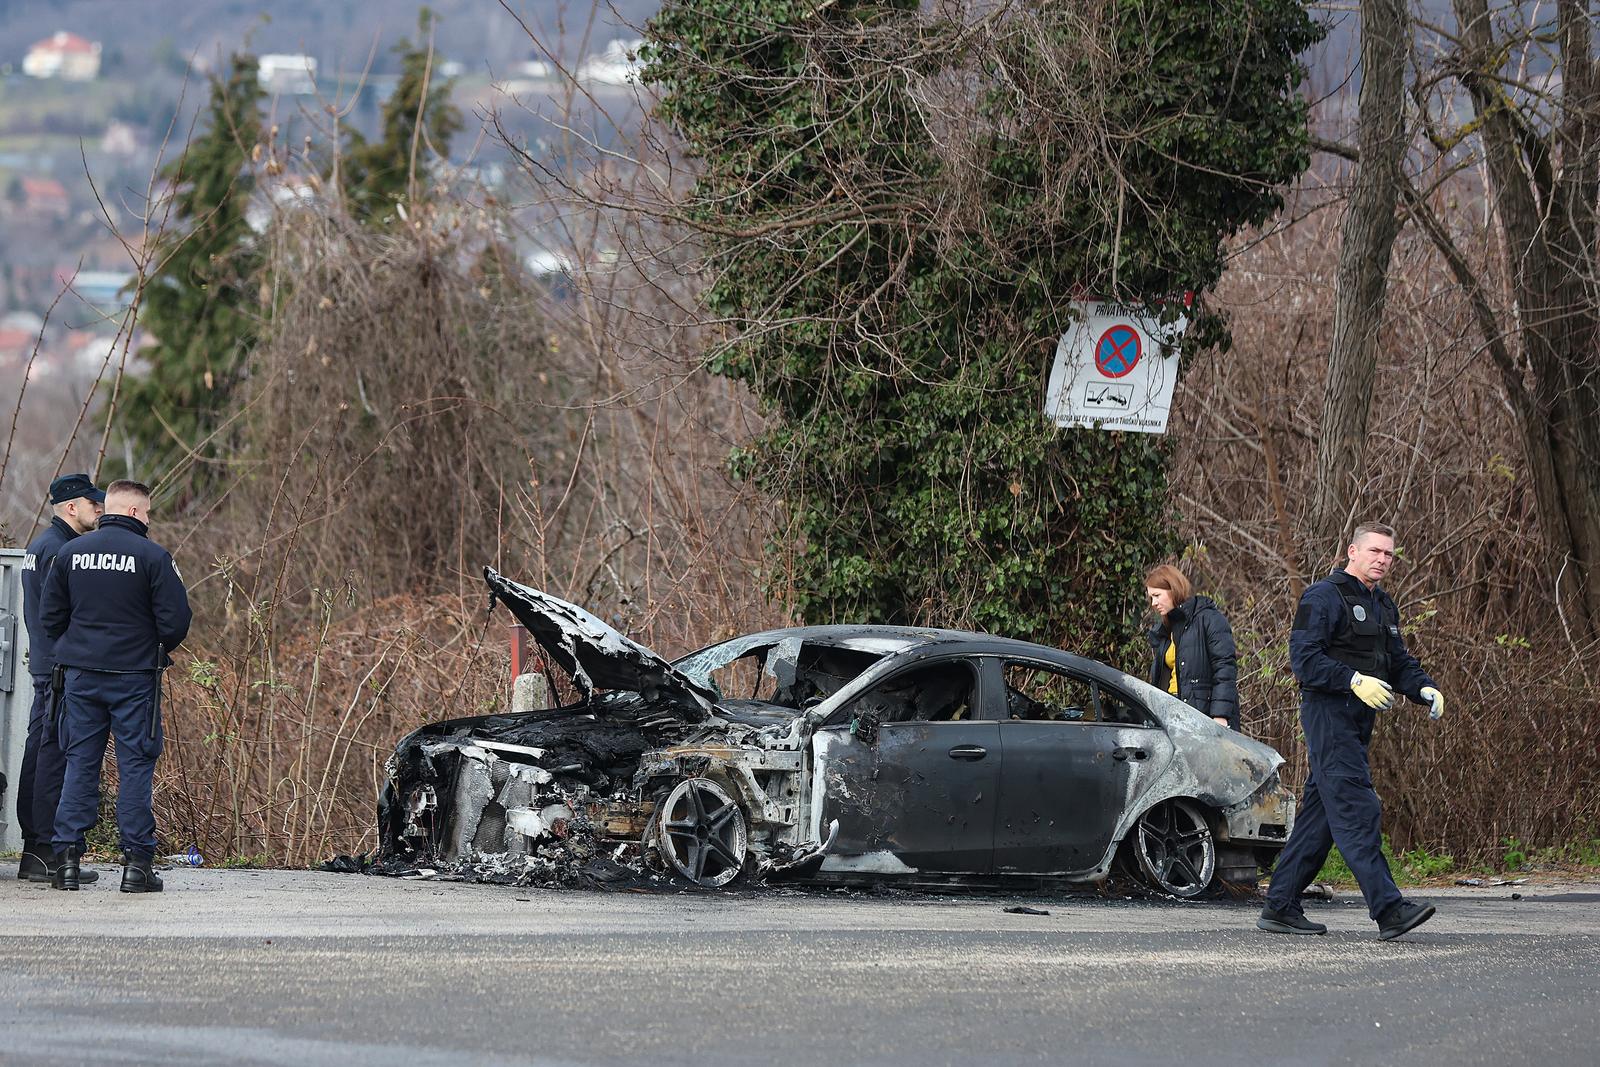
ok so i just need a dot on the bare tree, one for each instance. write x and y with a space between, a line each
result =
1535 101
1370 227
1544 183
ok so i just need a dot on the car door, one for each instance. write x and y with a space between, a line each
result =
1076 754
911 775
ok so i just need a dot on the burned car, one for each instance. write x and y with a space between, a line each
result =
838 754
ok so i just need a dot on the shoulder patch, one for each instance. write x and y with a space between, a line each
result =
1302 616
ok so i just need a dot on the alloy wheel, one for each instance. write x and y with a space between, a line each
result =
703 833
1174 848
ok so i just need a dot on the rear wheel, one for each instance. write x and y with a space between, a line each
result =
701 833
1174 850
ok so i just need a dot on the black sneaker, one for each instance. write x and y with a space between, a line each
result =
1402 918
1288 922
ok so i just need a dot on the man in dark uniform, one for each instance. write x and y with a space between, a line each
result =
116 607
1349 657
76 502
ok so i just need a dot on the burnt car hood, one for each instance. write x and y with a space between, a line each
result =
597 656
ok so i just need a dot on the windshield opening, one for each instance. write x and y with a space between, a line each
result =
788 672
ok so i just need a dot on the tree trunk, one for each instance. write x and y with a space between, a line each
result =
1548 219
1370 226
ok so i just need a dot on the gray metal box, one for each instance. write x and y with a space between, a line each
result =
16 693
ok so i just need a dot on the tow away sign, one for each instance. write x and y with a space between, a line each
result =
1114 369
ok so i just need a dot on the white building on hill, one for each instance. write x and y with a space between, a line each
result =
66 56
286 75
617 65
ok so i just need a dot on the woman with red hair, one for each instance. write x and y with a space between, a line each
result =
1194 655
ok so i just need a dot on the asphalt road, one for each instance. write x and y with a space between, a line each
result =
285 967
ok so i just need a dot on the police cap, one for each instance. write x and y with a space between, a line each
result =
72 486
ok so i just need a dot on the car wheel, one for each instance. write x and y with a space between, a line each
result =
701 833
1174 849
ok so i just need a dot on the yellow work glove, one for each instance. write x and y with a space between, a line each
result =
1374 692
1435 701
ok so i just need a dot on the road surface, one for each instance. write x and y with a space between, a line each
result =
259 967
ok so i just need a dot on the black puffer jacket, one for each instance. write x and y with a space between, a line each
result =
1208 667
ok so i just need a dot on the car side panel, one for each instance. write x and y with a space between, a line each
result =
1064 789
917 799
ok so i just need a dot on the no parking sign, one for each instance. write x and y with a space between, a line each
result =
1114 369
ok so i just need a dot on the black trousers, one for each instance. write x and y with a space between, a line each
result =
1339 807
43 766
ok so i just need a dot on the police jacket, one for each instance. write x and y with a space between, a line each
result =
36 562
1342 627
1207 662
114 600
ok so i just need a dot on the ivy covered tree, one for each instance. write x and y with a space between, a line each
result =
199 305
897 212
418 122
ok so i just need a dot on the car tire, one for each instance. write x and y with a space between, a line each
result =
702 833
1174 851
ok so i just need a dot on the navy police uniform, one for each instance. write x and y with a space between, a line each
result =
116 608
1342 628
39 787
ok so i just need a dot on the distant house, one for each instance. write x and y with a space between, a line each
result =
16 345
26 321
277 197
286 75
103 288
45 198
66 56
617 65
120 139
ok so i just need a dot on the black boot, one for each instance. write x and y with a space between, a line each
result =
137 877
32 867
64 873
45 870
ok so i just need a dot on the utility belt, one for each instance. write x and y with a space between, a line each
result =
58 688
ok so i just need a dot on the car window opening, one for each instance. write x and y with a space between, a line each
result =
939 692
1038 693
787 674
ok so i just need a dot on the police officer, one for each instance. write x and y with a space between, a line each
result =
116 607
1349 657
76 502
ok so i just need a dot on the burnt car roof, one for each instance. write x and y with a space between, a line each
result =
888 640
864 637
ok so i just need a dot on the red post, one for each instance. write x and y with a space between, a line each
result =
519 650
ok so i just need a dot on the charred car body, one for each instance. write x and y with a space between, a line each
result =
839 754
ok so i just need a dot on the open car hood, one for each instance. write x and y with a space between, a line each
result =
596 656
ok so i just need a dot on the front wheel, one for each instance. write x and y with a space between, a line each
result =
1174 849
701 833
